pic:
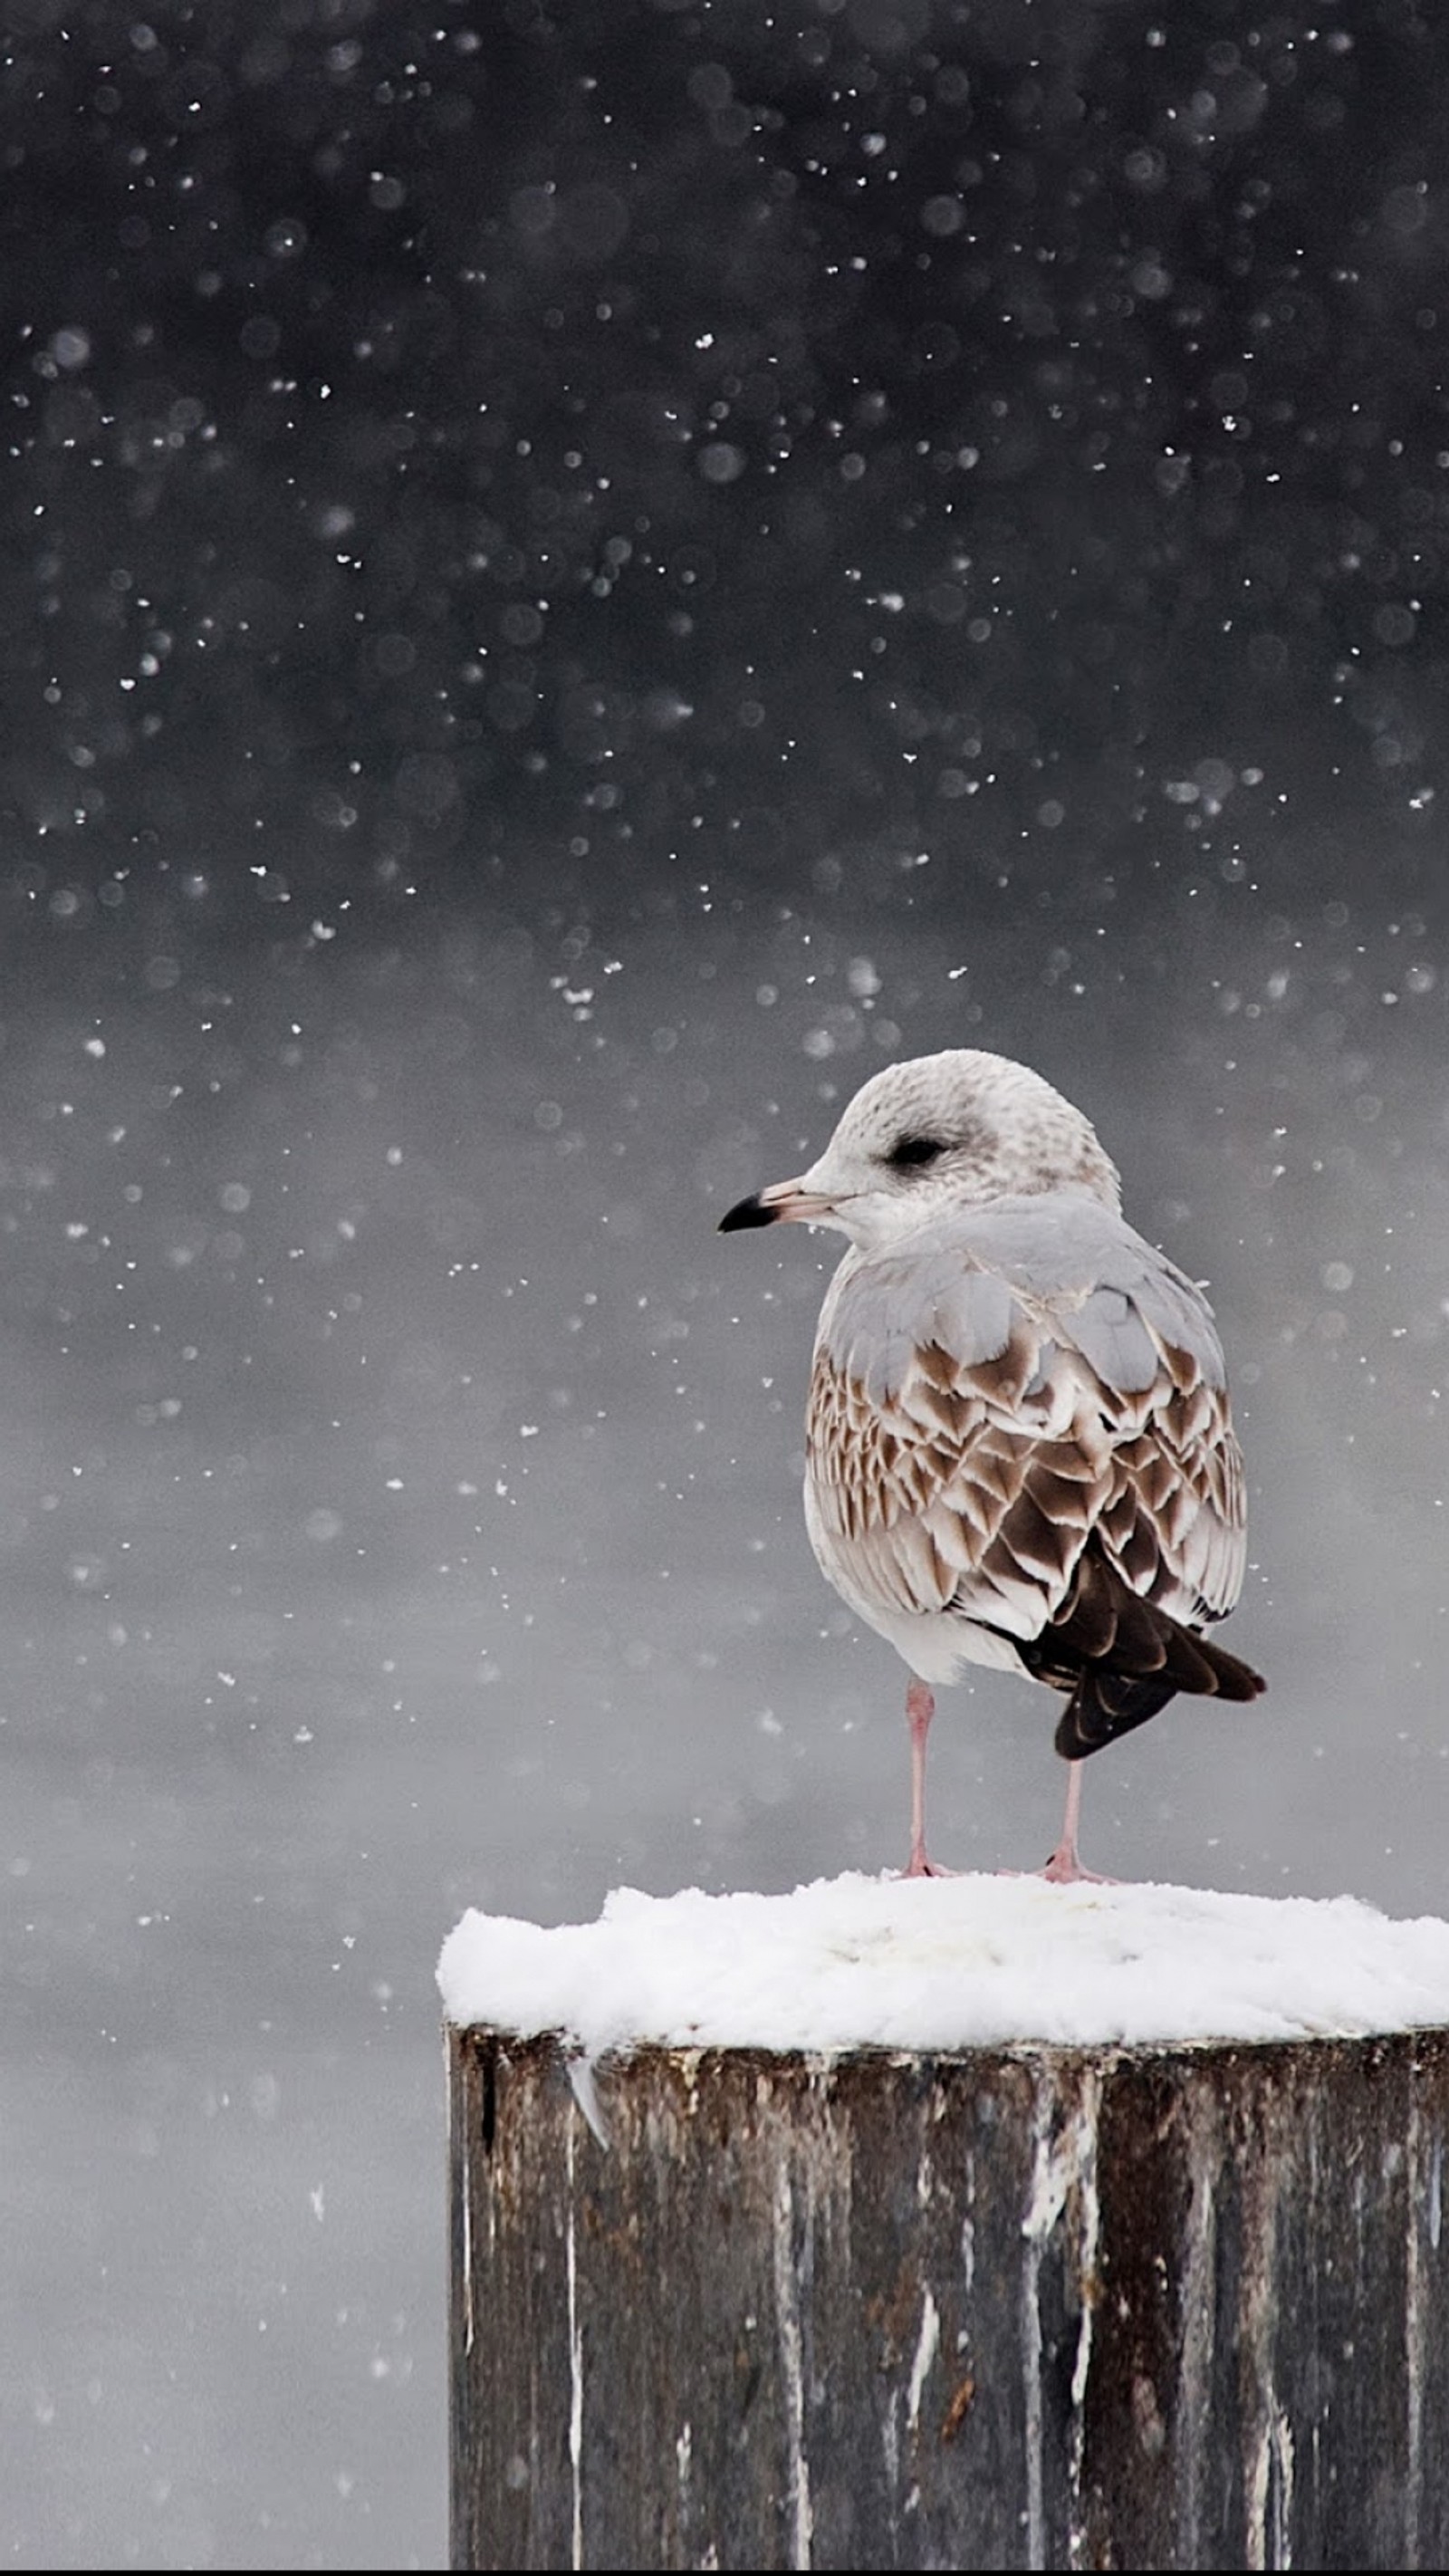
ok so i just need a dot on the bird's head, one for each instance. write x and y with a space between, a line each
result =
957 1129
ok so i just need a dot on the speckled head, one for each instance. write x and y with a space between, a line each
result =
956 1129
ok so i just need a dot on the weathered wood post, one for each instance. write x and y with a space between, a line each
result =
997 2307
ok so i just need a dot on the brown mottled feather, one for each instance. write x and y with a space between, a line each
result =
1094 1526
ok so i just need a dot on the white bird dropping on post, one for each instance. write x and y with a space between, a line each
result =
1019 1449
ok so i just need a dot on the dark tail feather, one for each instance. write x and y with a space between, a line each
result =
1103 1706
1108 1704
1121 1659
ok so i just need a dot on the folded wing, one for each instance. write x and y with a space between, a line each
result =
1023 1396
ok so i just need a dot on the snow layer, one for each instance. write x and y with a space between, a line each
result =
948 1963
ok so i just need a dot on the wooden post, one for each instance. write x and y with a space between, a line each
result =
1038 2308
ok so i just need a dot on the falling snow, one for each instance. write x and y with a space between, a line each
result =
577 580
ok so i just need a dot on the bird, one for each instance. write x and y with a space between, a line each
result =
1019 1443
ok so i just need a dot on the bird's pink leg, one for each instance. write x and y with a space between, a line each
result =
1064 1869
920 1709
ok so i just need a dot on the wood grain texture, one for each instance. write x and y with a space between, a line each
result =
1148 2309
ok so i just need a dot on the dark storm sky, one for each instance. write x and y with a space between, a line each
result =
573 581
518 451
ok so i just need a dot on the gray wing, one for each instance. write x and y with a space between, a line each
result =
985 1398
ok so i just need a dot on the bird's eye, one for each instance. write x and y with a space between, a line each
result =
913 1151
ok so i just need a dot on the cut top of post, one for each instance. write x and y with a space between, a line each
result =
949 1963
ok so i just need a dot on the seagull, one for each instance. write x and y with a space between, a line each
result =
1019 1448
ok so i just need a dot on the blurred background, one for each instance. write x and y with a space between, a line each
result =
575 580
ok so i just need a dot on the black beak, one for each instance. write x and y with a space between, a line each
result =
748 1212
